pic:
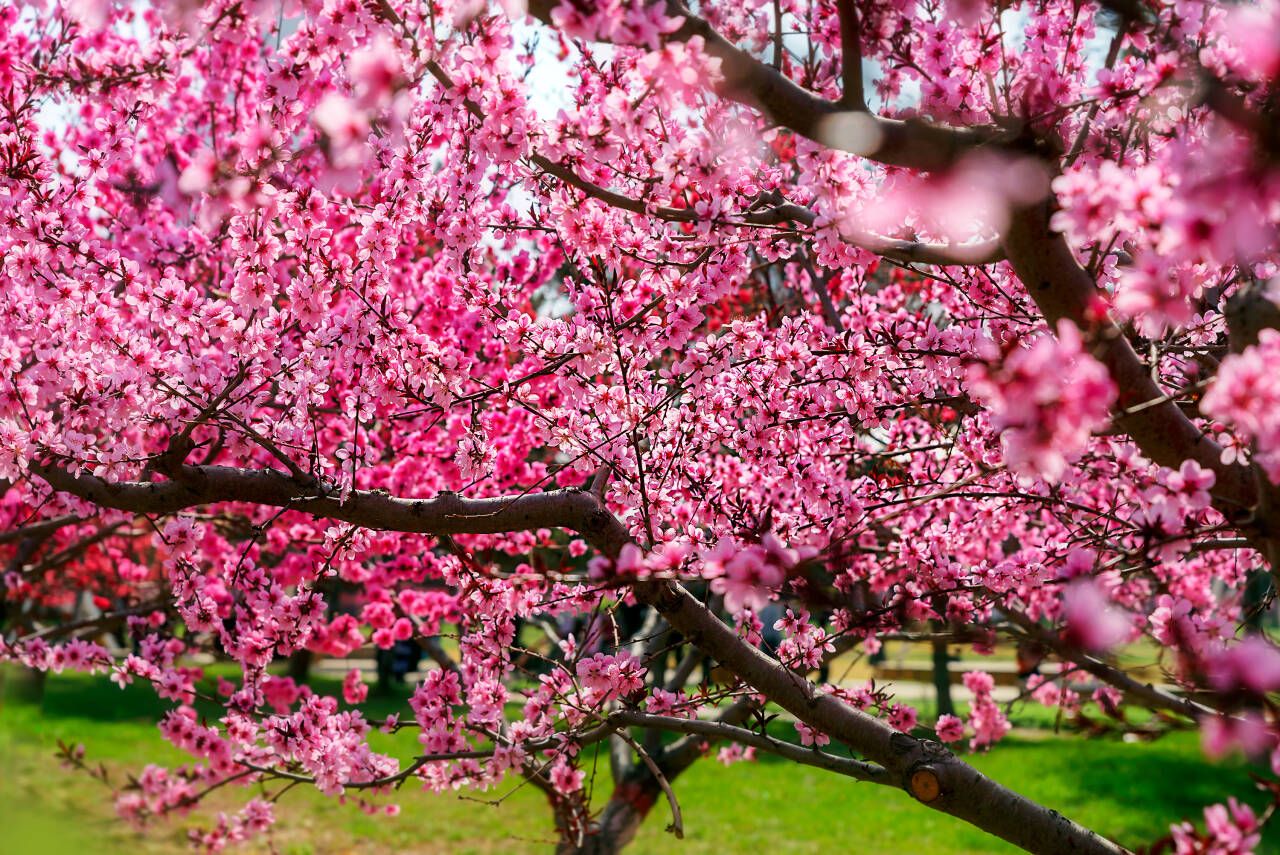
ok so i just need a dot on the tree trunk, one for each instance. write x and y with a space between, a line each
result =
300 665
22 684
621 818
942 677
1257 599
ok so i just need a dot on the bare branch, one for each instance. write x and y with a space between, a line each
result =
677 820
37 529
719 730
1144 693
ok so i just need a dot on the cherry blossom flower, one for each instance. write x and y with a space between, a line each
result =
1046 400
1091 622
949 728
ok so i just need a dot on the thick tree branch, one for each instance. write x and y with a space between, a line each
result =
41 527
913 143
956 788
960 790
446 513
924 769
904 251
1062 289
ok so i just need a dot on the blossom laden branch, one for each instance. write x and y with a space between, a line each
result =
442 514
952 786
913 144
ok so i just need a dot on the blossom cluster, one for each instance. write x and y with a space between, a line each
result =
1046 400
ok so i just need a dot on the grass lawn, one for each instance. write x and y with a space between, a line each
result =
1128 791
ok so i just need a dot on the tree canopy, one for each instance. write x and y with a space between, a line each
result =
761 332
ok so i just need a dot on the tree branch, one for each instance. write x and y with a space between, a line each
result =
41 527
913 143
849 767
904 251
1062 289
446 513
677 820
1144 693
926 770
957 788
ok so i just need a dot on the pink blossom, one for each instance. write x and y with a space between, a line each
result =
986 718
748 575
949 728
810 736
566 778
377 73
354 688
1230 829
1092 623
735 753
341 120
1246 733
1253 664
902 717
1247 394
1045 400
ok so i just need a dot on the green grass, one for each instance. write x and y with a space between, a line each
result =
1127 791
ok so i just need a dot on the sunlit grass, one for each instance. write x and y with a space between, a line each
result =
1127 791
